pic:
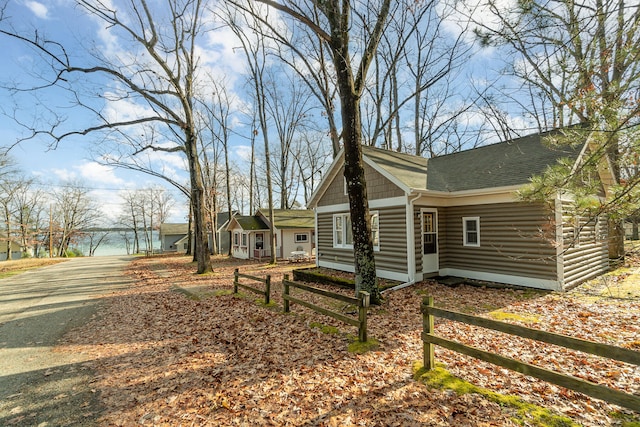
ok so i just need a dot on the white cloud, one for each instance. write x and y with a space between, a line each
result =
244 152
38 9
100 174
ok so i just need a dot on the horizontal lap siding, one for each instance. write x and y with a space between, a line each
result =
515 239
393 240
588 255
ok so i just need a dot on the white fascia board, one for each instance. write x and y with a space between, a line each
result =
373 204
468 197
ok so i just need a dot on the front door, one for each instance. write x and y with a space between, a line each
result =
429 226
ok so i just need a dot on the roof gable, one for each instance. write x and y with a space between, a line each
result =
504 164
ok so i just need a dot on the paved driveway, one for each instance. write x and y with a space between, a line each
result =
40 387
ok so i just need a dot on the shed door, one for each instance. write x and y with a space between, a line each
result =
429 240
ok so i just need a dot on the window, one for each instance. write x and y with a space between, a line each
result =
236 238
471 230
244 240
342 233
301 237
375 231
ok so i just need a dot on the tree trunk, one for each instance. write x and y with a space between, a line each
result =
365 265
201 249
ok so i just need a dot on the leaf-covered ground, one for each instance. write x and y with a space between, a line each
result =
178 349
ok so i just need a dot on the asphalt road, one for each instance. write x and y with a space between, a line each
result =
39 386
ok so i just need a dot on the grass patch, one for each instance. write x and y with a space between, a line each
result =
626 420
523 318
14 267
358 347
526 413
325 329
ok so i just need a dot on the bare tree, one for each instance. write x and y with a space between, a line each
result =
162 78
350 30
256 54
75 211
287 103
311 156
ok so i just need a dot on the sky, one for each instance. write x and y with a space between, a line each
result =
71 160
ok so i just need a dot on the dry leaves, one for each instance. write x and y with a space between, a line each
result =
165 359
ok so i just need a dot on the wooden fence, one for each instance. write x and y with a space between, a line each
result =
362 302
266 281
594 390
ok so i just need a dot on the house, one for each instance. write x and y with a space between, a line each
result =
294 231
174 237
459 215
16 249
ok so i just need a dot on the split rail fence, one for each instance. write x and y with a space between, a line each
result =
594 390
362 302
266 281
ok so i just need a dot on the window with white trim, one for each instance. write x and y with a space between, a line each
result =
471 230
244 240
342 232
301 237
375 230
236 238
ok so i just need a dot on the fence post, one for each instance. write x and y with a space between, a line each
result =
363 304
235 281
267 289
285 293
427 328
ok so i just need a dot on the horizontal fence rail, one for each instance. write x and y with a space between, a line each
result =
594 390
266 281
362 302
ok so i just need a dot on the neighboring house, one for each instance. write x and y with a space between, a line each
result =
16 250
174 237
458 215
294 230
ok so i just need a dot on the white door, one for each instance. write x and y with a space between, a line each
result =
429 228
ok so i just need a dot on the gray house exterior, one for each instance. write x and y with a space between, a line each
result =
459 215
174 237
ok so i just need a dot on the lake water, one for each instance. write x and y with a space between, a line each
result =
115 244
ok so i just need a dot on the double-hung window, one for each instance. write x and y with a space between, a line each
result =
471 230
342 233
301 237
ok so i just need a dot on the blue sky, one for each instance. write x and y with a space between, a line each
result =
71 160
62 21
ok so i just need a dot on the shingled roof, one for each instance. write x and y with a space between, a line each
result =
291 218
410 170
497 165
250 222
